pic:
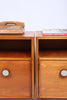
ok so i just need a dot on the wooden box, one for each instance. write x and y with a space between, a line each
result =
17 66
51 66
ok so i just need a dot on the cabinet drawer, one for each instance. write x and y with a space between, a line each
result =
18 82
51 82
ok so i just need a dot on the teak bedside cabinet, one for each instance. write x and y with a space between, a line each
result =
51 66
17 66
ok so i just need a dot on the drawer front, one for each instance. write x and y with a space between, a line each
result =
52 82
18 82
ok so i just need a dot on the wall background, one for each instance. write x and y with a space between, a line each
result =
37 14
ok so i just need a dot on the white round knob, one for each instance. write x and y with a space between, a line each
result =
5 72
64 73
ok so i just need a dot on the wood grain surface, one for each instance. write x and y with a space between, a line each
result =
51 83
51 58
27 35
17 55
11 27
18 83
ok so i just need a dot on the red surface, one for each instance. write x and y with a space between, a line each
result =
54 34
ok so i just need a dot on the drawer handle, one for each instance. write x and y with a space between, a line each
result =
63 73
5 72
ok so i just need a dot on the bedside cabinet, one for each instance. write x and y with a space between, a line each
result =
51 66
17 66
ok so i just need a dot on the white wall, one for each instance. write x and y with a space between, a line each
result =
37 14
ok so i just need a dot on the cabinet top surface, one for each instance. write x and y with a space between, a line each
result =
26 35
39 35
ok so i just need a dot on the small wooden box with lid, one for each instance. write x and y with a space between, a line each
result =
51 66
16 61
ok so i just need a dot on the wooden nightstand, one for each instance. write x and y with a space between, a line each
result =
17 66
51 66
